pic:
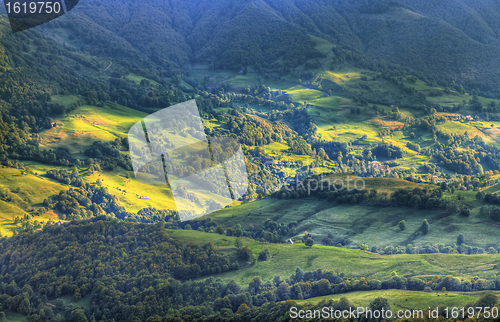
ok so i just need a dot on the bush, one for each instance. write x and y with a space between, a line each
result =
264 256
465 212
427 289
326 241
309 242
245 253
487 300
425 227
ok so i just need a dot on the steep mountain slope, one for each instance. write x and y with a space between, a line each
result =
445 40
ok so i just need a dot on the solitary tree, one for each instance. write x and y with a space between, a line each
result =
460 239
425 227
238 243
327 241
264 256
309 242
219 230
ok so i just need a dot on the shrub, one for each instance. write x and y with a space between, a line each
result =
264 256
245 253
465 212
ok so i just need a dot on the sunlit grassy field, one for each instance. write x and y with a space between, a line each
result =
26 191
352 225
285 259
77 130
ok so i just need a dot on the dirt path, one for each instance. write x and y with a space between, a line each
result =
110 63
488 223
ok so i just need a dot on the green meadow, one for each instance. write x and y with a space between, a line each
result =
352 225
78 129
120 183
65 100
285 259
137 79
26 192
123 184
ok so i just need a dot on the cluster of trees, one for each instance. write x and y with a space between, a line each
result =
331 192
151 214
108 154
17 197
298 119
87 201
340 193
255 131
389 151
492 198
490 212
465 163
334 150
303 285
272 232
65 177
459 248
419 198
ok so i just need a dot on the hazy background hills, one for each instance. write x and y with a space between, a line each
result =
442 40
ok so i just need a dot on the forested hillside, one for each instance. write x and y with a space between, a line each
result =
106 270
446 41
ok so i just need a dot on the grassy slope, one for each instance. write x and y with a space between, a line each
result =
374 226
285 259
16 317
130 188
138 79
86 124
401 300
35 188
